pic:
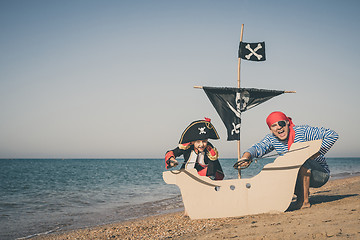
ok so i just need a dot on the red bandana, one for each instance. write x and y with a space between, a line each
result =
279 116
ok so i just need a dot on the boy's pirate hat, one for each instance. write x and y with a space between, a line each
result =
199 130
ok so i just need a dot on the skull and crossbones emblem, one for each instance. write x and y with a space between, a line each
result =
236 128
241 101
202 130
253 51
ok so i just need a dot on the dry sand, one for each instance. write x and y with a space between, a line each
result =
334 214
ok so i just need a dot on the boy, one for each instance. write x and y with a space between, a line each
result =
197 151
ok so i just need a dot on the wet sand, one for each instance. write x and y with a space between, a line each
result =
335 214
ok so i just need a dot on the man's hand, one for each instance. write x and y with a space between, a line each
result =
242 163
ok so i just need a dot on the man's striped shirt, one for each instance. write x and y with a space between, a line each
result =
303 133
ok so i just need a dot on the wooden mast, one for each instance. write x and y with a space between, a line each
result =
238 85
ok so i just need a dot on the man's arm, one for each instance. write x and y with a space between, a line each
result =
328 137
257 150
246 160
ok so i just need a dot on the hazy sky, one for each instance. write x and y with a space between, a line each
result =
114 79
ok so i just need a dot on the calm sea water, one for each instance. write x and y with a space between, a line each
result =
44 195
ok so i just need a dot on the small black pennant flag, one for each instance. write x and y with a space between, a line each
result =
252 51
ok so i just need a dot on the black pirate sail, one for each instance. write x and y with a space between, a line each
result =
231 102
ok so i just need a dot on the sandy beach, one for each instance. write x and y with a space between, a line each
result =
335 214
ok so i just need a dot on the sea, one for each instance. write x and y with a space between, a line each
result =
41 196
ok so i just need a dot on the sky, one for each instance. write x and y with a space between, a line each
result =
114 79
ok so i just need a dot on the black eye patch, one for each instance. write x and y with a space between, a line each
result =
282 123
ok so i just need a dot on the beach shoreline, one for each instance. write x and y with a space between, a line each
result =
334 213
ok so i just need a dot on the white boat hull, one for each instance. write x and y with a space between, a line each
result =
269 191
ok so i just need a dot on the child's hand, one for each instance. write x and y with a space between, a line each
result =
173 162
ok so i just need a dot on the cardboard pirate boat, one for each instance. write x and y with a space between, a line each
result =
272 189
269 191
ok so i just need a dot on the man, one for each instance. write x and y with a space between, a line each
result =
197 151
315 171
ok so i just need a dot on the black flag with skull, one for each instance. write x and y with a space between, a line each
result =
252 51
231 102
